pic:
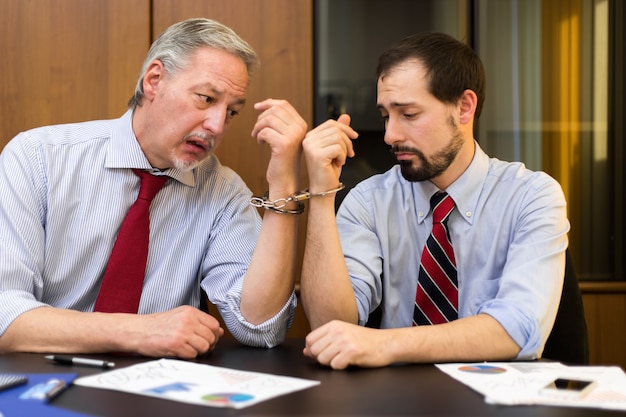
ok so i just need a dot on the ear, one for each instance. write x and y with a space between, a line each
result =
152 78
467 106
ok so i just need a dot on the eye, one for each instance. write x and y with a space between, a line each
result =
410 115
206 99
232 113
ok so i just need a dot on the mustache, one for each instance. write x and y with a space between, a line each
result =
207 139
403 149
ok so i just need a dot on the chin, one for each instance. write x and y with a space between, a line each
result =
188 165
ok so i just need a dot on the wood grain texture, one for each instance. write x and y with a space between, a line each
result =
68 60
605 312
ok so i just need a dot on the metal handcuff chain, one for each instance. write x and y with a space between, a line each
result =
279 204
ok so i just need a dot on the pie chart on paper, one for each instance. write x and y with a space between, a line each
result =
482 369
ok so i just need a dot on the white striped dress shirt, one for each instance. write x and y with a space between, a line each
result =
64 192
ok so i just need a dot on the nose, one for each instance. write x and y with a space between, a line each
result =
392 132
215 120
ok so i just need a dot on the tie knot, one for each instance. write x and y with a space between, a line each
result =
442 205
150 184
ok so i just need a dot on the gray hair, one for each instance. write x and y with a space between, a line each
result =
174 46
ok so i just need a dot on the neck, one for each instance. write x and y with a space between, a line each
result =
458 166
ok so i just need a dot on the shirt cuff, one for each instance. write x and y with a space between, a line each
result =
268 334
523 330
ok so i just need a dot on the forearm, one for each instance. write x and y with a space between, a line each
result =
183 332
50 329
270 279
326 290
476 338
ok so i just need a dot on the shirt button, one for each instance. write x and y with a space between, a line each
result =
468 214
421 213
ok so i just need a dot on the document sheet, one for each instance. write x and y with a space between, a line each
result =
514 383
195 383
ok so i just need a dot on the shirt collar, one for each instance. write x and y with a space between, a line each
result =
464 191
123 151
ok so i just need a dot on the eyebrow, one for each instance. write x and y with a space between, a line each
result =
219 93
396 104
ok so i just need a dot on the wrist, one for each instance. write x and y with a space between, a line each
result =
282 204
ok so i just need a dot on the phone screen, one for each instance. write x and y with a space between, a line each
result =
570 384
568 387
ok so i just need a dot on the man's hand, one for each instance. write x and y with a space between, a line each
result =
326 149
281 127
339 344
184 332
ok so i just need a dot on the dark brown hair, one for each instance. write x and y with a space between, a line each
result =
451 66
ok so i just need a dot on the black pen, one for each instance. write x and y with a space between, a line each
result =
71 360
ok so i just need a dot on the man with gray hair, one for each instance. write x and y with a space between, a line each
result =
66 266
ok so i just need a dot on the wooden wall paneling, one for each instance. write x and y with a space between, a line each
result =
68 60
605 312
281 32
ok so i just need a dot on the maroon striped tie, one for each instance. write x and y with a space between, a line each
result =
123 278
436 300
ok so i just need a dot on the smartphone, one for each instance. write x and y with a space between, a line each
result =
570 388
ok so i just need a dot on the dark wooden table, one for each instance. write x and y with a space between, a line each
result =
401 390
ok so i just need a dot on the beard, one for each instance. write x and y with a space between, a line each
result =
184 166
428 169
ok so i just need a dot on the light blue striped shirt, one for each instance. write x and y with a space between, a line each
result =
509 232
64 192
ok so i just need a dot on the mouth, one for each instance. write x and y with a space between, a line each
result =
403 154
197 144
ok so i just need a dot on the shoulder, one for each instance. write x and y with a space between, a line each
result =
67 134
386 181
57 142
379 194
69 131
211 173
513 181
517 172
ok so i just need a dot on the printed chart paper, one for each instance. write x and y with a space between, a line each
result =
196 383
511 383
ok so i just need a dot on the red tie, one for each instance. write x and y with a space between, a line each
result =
123 278
436 300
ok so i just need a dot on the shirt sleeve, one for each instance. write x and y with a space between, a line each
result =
226 262
362 251
526 291
22 232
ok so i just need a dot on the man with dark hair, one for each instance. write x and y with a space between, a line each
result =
461 254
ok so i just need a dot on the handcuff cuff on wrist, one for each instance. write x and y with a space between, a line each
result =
279 204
